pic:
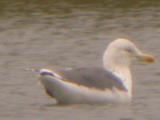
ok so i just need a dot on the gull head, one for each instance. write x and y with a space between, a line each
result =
122 52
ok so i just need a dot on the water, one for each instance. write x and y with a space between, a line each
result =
67 33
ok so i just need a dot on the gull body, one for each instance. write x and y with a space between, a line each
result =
111 83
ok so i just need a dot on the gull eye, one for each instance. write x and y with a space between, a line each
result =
129 49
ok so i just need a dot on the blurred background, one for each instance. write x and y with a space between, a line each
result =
74 33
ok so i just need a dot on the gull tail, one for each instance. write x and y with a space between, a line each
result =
55 86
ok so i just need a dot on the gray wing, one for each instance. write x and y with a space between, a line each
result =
98 78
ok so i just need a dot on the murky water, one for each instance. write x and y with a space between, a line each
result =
68 33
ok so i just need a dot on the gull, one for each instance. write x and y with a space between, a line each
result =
111 83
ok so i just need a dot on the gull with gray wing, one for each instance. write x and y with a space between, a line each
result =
111 83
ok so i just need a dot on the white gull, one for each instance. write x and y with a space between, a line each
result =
111 83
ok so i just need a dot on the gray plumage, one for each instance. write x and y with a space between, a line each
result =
94 77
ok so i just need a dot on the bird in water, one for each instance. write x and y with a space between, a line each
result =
111 83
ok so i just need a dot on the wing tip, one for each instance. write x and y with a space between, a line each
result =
49 72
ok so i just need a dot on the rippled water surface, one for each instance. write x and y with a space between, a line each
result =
70 33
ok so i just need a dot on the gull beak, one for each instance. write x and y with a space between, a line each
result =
146 58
